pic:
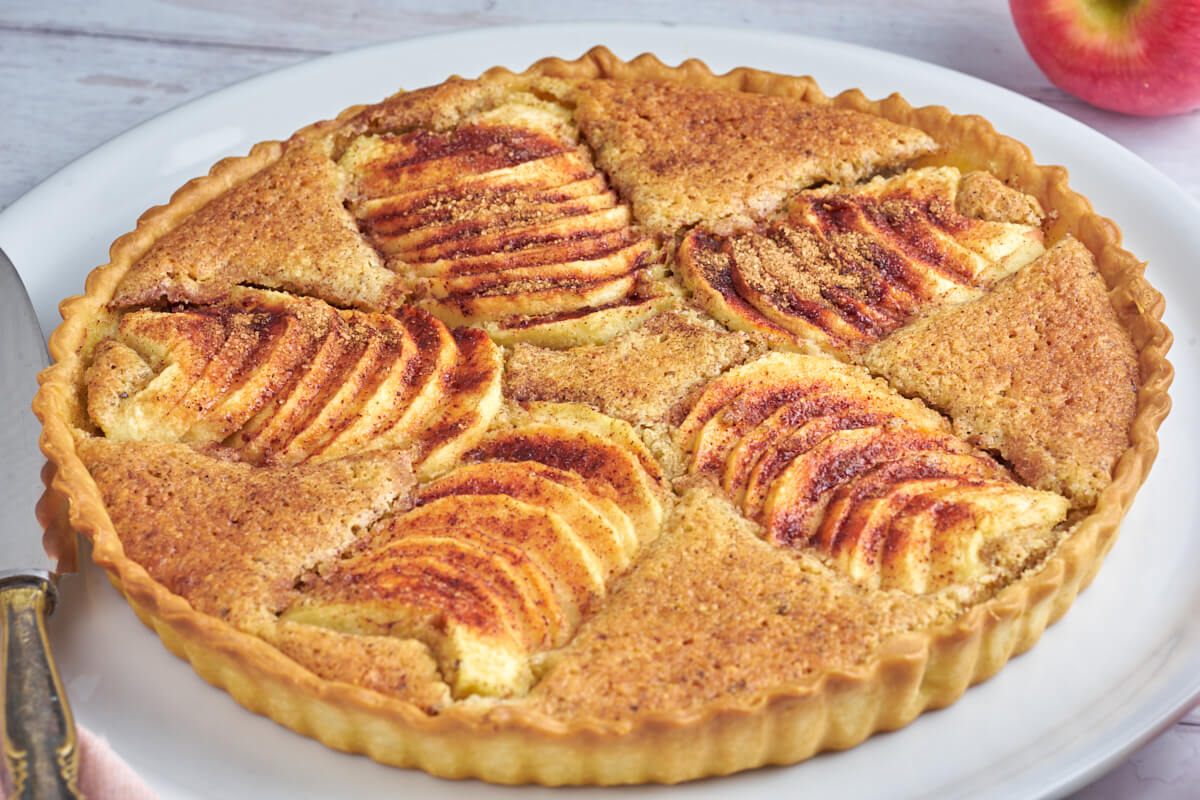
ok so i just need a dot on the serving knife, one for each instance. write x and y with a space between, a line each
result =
39 733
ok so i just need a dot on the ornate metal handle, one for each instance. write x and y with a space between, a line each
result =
39 733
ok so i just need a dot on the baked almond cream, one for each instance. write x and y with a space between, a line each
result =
609 422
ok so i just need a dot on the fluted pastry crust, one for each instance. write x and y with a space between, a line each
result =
546 581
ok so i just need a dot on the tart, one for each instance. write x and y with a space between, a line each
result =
609 422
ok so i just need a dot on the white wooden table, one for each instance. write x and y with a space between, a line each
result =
75 73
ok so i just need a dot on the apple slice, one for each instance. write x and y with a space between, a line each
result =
723 433
271 429
117 374
611 265
913 213
401 213
588 248
342 399
594 494
589 326
459 601
843 267
790 430
528 591
842 516
706 269
755 389
539 534
605 220
608 466
491 220
380 582
473 398
299 326
384 200
959 533
789 276
530 298
247 338
857 545
578 415
518 481
763 481
793 507
424 159
374 414
773 369
429 379
178 348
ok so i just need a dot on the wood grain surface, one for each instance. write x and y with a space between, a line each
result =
75 73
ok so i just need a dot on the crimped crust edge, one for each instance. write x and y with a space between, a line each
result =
914 671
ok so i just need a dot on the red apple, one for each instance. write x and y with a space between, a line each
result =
1136 56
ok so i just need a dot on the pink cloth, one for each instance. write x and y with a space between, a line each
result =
103 775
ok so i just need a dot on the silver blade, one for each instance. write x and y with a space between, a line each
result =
22 355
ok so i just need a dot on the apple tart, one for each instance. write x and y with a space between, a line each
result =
609 422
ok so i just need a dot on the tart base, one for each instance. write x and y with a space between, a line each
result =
835 709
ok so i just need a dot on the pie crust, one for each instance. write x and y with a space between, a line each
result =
874 676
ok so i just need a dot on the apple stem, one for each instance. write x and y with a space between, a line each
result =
1109 15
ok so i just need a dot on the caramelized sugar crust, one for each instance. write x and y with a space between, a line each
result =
685 155
473 413
246 236
1039 370
644 375
252 530
727 607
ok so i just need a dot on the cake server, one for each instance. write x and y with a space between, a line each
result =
39 732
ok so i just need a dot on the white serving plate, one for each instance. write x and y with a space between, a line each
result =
1122 665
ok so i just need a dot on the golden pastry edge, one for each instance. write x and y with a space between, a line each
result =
915 671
